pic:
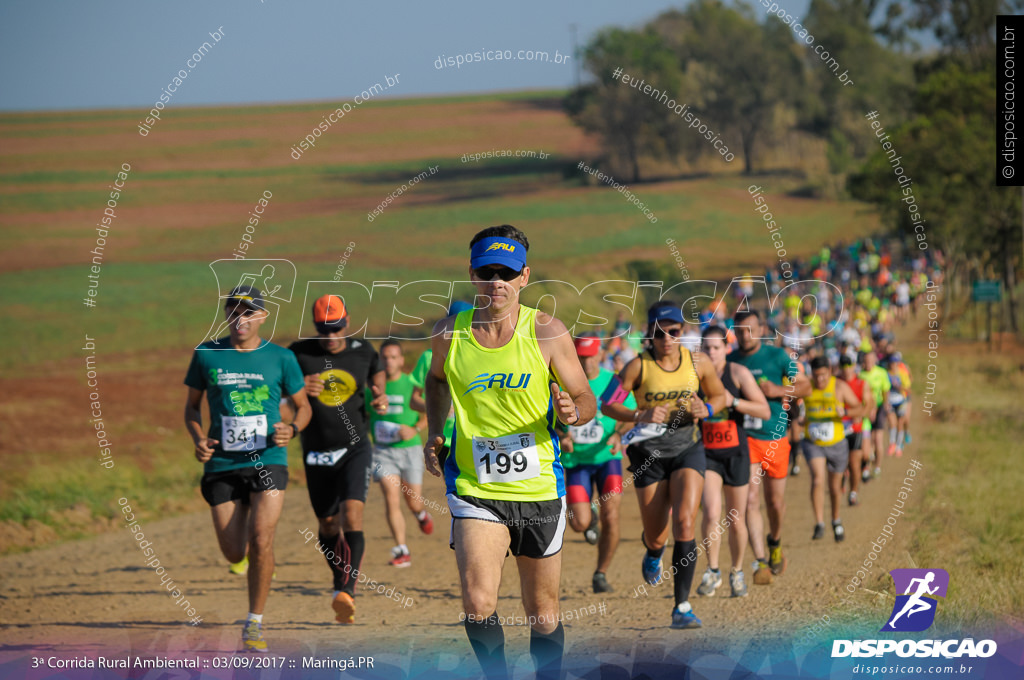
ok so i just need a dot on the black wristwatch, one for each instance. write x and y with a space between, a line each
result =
295 431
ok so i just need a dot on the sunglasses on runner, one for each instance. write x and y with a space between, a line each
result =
660 333
240 309
504 273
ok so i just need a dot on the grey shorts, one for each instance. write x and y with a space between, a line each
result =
398 461
837 455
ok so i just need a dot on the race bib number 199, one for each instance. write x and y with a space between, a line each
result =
512 458
248 433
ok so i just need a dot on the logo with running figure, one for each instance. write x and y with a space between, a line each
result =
914 610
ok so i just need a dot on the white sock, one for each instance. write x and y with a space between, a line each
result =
404 548
421 514
683 607
258 618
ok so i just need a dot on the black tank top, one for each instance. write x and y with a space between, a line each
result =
723 434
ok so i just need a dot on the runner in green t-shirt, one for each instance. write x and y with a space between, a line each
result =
245 465
398 452
877 379
780 380
592 455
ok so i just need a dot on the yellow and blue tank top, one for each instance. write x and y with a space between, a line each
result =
824 417
504 446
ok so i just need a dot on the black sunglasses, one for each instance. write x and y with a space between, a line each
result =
659 333
504 273
240 310
328 328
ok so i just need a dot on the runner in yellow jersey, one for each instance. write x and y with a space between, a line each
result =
502 365
665 447
825 442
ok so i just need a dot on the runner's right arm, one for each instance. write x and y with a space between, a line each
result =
194 425
439 397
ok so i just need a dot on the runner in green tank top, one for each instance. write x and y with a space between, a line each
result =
511 372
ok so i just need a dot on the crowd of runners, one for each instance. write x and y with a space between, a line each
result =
531 428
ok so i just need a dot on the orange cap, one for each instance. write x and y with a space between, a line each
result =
329 309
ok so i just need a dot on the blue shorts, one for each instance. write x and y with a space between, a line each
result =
579 480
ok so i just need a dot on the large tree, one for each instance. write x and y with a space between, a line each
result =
749 75
948 149
631 124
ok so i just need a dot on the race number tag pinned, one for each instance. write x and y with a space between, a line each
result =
248 433
512 458
325 457
643 432
386 432
591 433
822 432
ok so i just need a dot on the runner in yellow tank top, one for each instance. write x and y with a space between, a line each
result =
825 442
501 366
664 447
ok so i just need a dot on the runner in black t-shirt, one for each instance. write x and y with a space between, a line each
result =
336 450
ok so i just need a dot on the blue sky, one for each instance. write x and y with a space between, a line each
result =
121 53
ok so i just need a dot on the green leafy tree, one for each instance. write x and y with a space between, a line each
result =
631 124
749 76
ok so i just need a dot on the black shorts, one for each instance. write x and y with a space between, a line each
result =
881 420
347 479
855 441
734 470
649 470
236 485
535 528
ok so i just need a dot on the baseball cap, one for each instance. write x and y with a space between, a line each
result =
587 346
496 250
664 311
329 313
249 295
458 306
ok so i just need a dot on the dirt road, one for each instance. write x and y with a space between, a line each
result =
97 596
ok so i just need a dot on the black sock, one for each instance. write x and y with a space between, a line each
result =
656 554
547 650
684 559
488 642
356 545
336 553
774 543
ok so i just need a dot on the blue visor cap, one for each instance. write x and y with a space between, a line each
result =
503 251
665 313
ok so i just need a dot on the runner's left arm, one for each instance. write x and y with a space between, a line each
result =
752 402
574 402
295 386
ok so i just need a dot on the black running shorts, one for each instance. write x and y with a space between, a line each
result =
734 470
649 470
535 528
236 485
346 479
